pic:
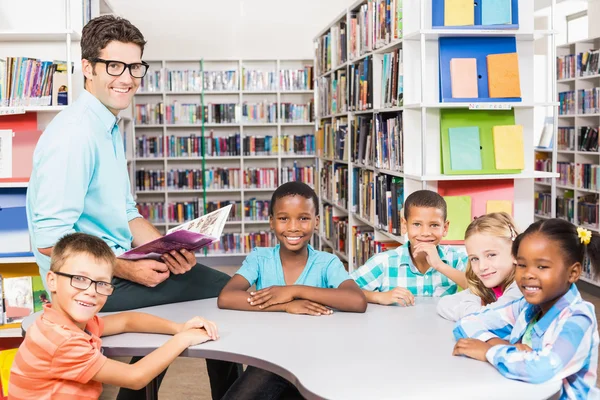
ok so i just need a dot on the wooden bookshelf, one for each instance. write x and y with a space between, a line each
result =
238 92
421 111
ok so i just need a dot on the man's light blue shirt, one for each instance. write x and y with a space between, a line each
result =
263 268
79 181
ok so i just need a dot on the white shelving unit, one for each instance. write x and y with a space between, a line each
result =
421 108
238 96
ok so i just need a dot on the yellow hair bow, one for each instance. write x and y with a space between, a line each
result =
584 235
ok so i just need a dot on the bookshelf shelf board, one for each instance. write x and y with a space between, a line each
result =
480 105
246 124
358 112
389 172
225 158
233 222
391 236
38 36
306 91
579 115
393 45
363 221
335 160
210 254
11 332
300 156
524 175
296 124
566 80
17 260
25 109
335 205
150 159
565 187
271 189
588 77
150 191
543 184
209 190
6 185
259 157
363 166
338 253
258 222
148 126
435 34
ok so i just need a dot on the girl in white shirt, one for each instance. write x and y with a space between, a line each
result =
490 268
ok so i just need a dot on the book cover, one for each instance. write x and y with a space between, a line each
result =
191 236
463 78
459 215
493 206
496 12
18 296
459 12
40 296
508 147
503 75
465 148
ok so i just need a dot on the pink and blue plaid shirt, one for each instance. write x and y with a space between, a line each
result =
564 342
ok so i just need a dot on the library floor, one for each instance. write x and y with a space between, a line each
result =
187 377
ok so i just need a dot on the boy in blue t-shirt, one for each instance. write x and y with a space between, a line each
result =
291 277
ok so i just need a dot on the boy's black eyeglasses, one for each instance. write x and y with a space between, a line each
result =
116 68
83 283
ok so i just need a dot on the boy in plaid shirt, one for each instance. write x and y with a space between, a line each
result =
421 267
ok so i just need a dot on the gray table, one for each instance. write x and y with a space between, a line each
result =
386 353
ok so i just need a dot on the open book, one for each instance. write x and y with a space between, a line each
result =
191 236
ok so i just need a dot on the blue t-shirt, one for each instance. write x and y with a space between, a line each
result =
263 268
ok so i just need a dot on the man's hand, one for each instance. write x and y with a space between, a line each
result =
430 252
179 262
148 272
307 307
472 348
398 295
201 323
272 295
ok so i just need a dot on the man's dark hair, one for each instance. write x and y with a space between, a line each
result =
100 31
80 243
294 189
425 198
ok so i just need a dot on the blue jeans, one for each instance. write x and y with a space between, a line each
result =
258 384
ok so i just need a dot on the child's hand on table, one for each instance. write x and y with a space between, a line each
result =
272 295
472 348
307 307
398 295
209 327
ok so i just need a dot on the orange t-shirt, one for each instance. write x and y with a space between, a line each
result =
57 360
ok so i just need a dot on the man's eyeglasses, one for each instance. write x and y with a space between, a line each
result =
116 68
83 283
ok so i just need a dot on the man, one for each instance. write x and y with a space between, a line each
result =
80 183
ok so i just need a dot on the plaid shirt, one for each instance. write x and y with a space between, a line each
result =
390 269
564 343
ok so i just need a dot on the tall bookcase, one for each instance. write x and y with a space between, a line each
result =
55 37
425 114
574 195
257 88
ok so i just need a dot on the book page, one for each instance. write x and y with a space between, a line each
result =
211 224
6 153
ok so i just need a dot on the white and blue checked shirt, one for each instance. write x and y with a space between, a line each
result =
395 268
564 343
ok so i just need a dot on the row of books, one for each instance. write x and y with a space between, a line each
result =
32 82
20 297
298 173
334 139
374 25
361 85
567 66
364 245
542 203
389 153
392 82
223 113
587 63
335 229
196 80
543 163
587 211
333 181
191 146
587 138
565 206
579 175
588 101
234 243
567 102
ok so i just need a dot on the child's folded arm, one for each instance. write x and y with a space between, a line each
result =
234 296
565 357
459 305
489 324
346 297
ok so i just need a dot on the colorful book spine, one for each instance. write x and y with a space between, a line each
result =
149 180
256 210
297 173
152 211
149 147
263 112
261 178
296 79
